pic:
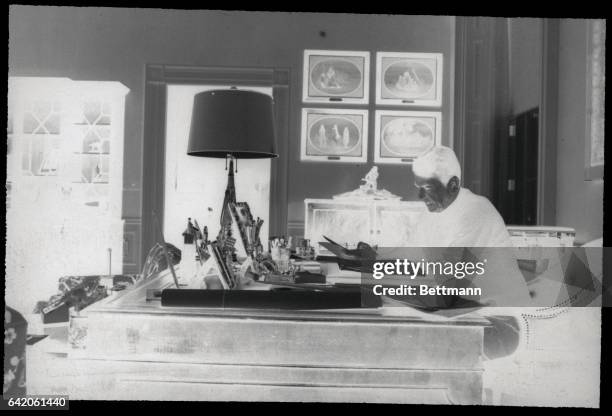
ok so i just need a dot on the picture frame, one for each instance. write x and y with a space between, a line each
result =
334 135
340 77
409 79
401 136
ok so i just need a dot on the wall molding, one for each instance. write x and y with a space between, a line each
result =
460 90
296 228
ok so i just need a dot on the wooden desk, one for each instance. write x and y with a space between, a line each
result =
127 348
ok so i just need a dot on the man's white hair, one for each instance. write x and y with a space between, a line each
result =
440 162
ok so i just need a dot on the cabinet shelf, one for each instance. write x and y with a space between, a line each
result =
93 125
90 183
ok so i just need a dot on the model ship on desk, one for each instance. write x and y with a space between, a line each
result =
238 228
238 240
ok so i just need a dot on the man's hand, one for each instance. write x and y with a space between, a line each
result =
365 251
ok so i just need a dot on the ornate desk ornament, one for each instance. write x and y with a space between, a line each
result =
369 190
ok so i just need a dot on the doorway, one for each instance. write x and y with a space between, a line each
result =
194 186
517 170
160 80
505 110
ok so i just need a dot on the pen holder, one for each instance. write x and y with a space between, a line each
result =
304 250
283 262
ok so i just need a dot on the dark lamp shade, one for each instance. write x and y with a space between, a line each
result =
236 122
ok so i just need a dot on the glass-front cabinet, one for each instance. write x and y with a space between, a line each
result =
64 181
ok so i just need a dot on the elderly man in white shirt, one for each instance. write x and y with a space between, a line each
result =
457 217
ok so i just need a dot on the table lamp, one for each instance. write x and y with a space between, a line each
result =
232 124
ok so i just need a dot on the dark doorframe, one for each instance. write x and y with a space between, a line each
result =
547 139
481 109
157 78
481 98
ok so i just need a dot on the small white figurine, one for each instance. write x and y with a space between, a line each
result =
345 137
371 180
369 190
95 147
337 137
322 136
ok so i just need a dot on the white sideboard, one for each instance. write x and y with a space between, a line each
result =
347 222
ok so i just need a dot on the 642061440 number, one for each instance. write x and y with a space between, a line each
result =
51 402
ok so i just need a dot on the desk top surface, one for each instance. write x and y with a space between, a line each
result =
134 301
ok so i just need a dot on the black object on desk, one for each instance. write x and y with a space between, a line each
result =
254 299
33 339
308 277
60 313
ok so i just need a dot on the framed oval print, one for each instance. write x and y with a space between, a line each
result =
410 79
336 76
334 135
401 136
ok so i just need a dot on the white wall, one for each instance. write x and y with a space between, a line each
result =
195 186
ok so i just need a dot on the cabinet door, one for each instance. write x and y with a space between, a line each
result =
395 223
65 181
345 223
